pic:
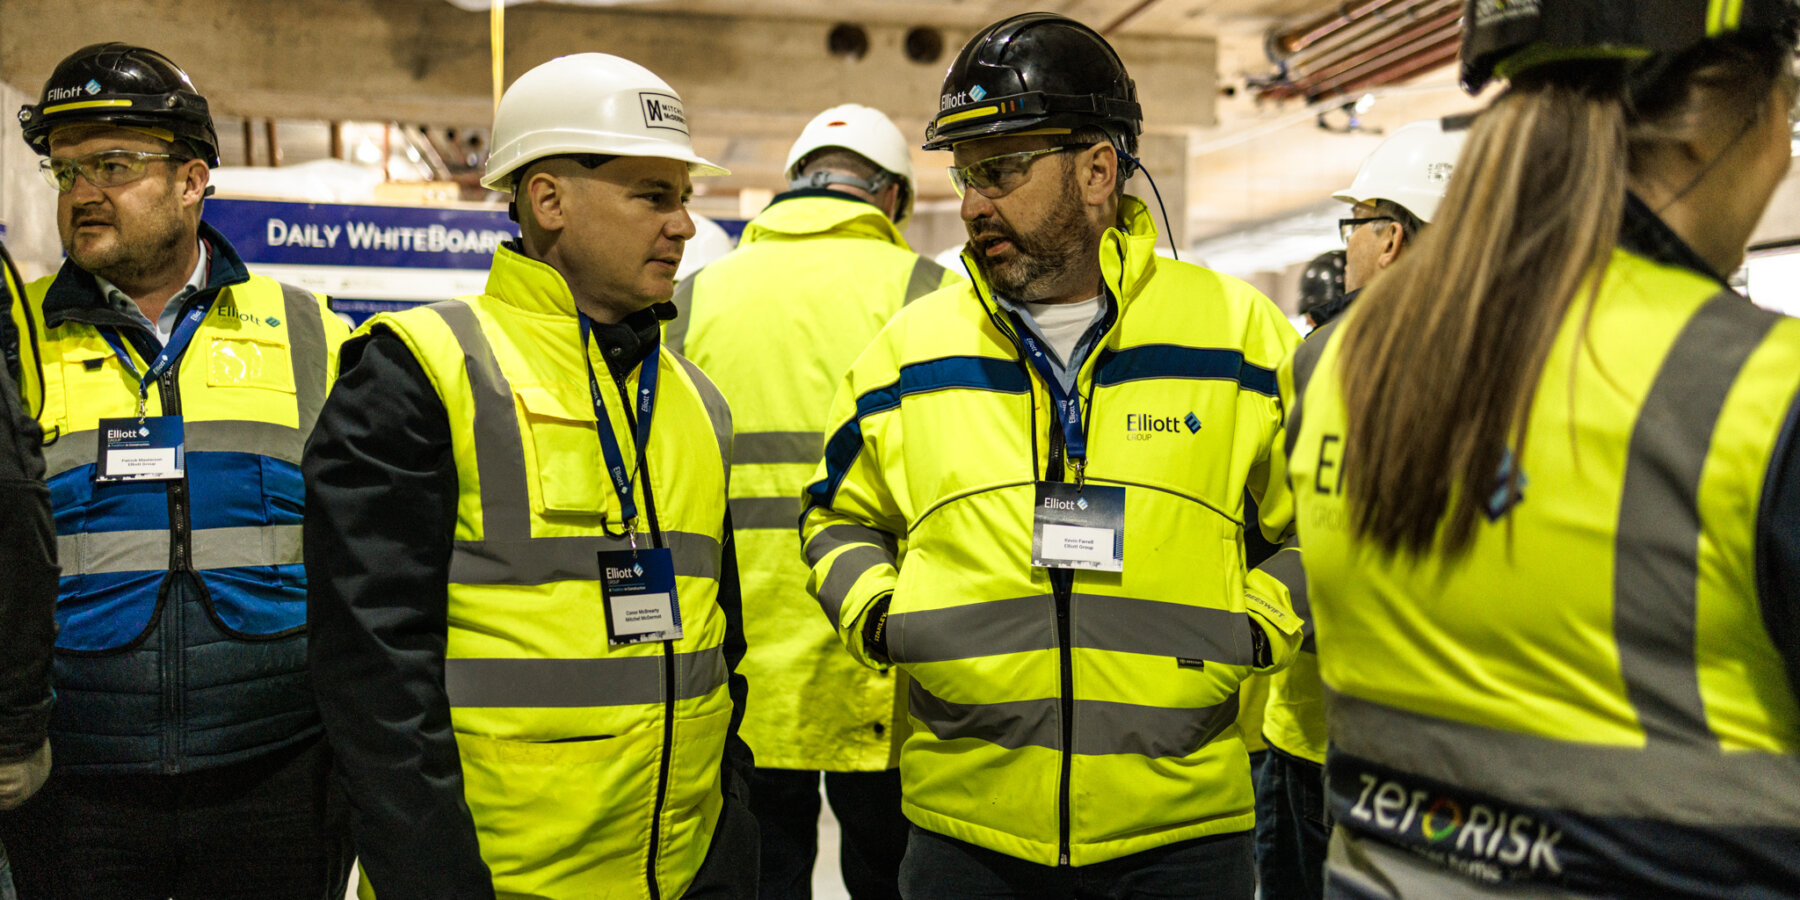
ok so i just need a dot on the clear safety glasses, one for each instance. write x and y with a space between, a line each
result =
1346 227
1000 175
108 168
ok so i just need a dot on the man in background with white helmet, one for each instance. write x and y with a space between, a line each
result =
1394 196
777 323
525 602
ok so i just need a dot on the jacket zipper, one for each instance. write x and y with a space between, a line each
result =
180 560
668 651
1061 582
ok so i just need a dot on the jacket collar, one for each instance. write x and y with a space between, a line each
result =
535 288
1127 255
812 211
75 296
1646 234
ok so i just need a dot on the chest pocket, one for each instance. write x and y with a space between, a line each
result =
562 451
249 363
89 385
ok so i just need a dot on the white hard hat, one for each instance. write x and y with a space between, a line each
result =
864 131
588 103
1412 168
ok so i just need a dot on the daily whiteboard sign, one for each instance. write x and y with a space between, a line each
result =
367 258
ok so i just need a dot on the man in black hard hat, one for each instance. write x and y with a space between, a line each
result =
1322 288
1064 445
176 391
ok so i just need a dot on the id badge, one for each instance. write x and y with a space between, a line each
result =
639 587
1082 529
149 449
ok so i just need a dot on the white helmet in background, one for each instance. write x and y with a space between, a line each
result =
588 103
1412 168
863 131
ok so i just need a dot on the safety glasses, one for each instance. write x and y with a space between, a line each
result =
1348 226
1000 175
108 168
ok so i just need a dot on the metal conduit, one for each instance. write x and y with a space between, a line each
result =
1365 44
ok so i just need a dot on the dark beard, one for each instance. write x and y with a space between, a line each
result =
1060 242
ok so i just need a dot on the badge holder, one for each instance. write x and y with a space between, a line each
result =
1079 527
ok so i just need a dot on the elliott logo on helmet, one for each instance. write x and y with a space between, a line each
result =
1487 12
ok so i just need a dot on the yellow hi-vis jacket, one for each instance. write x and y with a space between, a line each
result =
1088 721
776 324
590 770
1589 698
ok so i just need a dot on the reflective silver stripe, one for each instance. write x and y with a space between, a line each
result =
765 512
1024 624
564 683
1101 728
1288 567
547 560
834 536
716 409
845 571
499 448
102 552
776 447
1306 359
1664 780
308 355
1656 569
675 330
927 276
82 448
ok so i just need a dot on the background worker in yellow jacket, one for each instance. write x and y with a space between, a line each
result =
1547 484
175 391
524 588
776 324
1064 445
1393 198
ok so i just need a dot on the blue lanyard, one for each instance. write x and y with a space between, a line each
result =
171 352
609 442
1067 406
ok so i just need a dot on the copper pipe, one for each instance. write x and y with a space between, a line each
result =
1296 39
1382 70
1126 16
1409 37
1374 27
1439 54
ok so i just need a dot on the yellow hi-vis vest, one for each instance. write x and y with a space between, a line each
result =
776 324
1588 698
1091 721
590 770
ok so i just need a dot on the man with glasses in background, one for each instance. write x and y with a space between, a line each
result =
175 391
1064 446
1394 195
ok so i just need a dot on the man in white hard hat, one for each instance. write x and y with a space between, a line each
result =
777 323
1393 197
525 605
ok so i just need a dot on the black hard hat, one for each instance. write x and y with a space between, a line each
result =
1036 70
1322 282
1502 38
118 84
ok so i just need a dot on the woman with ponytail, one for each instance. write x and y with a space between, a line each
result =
1547 478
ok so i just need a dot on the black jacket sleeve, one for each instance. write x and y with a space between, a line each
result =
28 585
738 758
380 516
1778 547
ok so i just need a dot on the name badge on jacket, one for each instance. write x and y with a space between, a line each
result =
148 449
1079 529
639 586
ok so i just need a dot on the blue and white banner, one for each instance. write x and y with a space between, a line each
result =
367 258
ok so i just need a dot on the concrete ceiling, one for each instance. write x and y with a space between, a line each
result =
751 71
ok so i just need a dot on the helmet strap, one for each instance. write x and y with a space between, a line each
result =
824 177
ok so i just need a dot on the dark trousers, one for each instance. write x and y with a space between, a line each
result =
272 828
867 806
1211 868
1293 827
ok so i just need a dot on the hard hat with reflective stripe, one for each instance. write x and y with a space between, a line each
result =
589 103
1412 168
867 132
